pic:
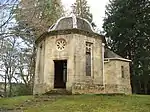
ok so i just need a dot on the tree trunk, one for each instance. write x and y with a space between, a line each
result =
10 89
10 84
145 88
33 68
5 86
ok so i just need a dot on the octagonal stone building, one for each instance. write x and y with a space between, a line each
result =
72 57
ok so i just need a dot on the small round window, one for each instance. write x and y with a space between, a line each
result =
60 44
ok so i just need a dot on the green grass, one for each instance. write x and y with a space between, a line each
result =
83 103
13 102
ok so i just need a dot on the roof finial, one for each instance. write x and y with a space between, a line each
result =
74 19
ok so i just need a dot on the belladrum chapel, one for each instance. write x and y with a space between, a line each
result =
72 57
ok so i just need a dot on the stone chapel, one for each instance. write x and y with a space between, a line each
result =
72 57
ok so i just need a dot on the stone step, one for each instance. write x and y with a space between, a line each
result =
58 92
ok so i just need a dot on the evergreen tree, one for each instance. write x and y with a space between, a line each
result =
81 9
127 27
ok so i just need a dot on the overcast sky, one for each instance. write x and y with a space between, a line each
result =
97 9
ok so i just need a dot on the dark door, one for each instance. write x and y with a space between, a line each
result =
60 73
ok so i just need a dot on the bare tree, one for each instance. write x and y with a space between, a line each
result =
20 24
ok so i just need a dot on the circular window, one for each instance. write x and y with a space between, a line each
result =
60 44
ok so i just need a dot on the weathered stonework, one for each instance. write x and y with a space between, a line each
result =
70 45
113 76
80 88
74 53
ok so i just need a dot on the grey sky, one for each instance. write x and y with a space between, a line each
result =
97 9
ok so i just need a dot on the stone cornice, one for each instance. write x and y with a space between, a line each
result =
69 31
121 59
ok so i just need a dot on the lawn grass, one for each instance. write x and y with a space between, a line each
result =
87 103
10 103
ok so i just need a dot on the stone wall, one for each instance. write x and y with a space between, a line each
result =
39 70
124 83
114 82
74 52
87 88
80 59
51 54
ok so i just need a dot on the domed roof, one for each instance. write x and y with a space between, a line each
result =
72 22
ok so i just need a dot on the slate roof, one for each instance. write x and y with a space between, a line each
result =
110 54
72 22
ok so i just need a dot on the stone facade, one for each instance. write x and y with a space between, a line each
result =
70 45
114 82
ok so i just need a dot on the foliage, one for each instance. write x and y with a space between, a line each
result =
80 103
12 102
8 43
81 9
21 89
127 27
20 23
33 18
38 15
